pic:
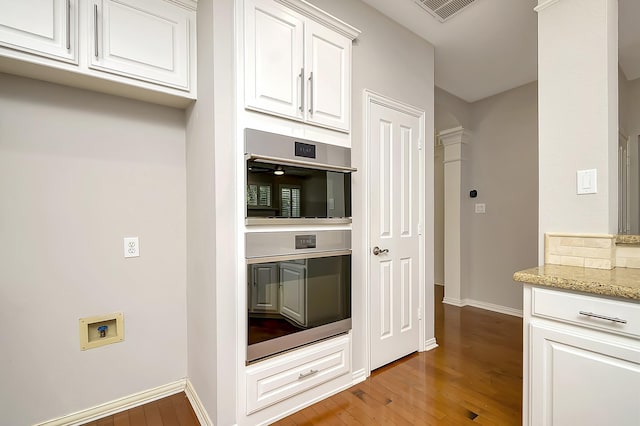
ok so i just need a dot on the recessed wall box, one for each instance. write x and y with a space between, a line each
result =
101 330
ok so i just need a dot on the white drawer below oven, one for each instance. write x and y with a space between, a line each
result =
276 379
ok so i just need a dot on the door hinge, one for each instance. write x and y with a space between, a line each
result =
419 313
419 229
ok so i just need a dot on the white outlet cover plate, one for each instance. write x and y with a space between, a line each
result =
131 247
481 208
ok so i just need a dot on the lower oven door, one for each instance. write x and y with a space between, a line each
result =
294 300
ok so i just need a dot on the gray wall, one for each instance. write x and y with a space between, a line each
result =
502 165
504 171
78 172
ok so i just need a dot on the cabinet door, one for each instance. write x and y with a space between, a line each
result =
293 292
43 27
328 61
263 288
143 39
580 380
273 63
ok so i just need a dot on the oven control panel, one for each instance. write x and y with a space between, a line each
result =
305 241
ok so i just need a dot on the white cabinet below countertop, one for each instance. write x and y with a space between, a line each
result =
581 359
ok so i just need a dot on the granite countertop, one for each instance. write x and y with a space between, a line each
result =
618 282
628 239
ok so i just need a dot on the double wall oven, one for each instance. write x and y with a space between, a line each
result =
298 282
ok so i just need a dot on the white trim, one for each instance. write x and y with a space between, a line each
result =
370 97
358 376
430 344
196 404
188 4
441 285
543 4
117 405
455 302
495 308
322 17
460 303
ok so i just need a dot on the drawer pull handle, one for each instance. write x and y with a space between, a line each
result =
305 375
604 317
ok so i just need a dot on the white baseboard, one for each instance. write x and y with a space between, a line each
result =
430 344
198 408
358 376
117 405
455 302
495 308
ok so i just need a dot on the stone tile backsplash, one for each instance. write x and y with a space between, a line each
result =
590 251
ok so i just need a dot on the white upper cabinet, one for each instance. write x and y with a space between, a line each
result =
141 39
42 27
273 59
297 62
142 49
328 60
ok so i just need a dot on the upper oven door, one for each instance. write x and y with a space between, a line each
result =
291 180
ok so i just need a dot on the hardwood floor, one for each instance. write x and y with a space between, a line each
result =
473 377
174 410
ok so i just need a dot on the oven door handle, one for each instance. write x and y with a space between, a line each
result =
300 256
299 163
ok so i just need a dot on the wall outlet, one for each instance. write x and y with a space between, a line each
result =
481 208
131 247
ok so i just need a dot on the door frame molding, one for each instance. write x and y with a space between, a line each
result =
370 98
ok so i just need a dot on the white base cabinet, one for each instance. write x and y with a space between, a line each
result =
144 49
580 369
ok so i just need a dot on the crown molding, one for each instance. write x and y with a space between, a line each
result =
454 136
322 17
543 4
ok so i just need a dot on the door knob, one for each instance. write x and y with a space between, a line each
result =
377 251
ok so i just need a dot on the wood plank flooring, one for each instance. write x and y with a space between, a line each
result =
174 410
473 377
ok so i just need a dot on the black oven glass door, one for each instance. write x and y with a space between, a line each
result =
291 296
283 191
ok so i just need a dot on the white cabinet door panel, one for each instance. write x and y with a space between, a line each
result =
149 41
43 27
581 380
273 59
328 56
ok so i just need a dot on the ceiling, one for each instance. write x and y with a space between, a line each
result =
491 46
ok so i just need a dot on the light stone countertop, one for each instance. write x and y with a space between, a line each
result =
628 239
618 282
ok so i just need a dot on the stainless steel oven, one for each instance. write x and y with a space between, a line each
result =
298 289
296 181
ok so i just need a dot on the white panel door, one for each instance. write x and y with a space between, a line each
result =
394 187
273 63
43 27
578 380
148 40
263 291
293 292
328 78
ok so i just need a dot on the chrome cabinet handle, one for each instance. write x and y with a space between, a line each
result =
68 24
311 93
604 317
377 251
305 375
301 89
95 29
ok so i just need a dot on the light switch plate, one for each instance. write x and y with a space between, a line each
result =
587 182
131 247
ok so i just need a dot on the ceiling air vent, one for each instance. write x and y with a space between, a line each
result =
443 10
